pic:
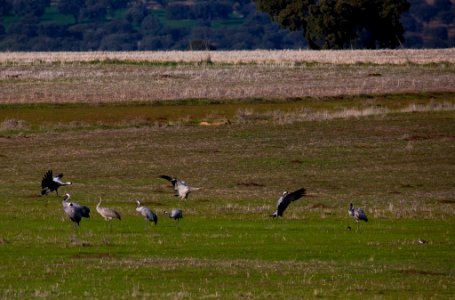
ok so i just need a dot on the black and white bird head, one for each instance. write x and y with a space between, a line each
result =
66 197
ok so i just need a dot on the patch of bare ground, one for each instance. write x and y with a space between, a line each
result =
421 272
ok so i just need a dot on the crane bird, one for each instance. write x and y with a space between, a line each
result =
181 188
74 210
49 183
107 213
358 214
175 214
284 201
146 212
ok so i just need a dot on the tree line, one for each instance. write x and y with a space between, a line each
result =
81 25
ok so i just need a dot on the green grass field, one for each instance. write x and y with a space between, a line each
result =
396 163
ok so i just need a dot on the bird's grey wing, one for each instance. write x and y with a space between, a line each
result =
109 212
361 215
149 214
282 204
47 180
153 217
83 210
57 180
176 213
295 195
168 178
116 214
180 182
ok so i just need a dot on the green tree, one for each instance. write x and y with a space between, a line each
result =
31 8
338 24
71 7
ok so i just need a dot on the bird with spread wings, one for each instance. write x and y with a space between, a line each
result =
181 188
286 199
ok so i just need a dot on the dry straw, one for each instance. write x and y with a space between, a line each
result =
403 56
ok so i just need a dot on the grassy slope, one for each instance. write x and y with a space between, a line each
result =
399 167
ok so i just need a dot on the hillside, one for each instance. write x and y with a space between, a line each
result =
78 25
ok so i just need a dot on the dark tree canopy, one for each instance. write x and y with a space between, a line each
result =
80 25
339 24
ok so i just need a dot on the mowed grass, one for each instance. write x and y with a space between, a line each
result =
398 166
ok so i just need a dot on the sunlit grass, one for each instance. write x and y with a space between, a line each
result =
377 133
396 166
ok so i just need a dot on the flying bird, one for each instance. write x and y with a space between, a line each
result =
181 188
49 183
107 213
175 214
146 212
284 201
74 210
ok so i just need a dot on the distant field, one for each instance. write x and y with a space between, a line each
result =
378 135
345 57
265 75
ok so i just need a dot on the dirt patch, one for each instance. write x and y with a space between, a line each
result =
297 161
92 255
421 272
447 201
423 137
319 205
249 184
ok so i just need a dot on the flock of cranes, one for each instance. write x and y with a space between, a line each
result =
76 212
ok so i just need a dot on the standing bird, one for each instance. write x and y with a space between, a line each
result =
74 210
146 212
358 214
107 213
175 214
181 187
49 183
285 200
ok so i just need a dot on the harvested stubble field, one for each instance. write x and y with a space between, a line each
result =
151 76
389 151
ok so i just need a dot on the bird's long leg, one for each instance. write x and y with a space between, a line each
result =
74 232
108 236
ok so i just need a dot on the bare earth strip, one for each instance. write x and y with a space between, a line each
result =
123 77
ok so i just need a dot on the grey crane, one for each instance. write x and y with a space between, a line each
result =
74 210
181 188
358 214
175 214
284 201
107 213
146 212
51 183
